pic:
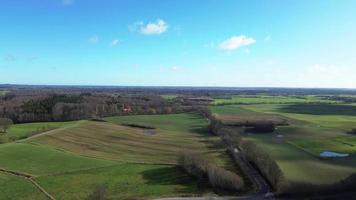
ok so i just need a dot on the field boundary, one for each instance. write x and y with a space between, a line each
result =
51 131
30 179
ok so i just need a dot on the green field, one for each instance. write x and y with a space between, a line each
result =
112 141
13 187
270 99
41 160
70 161
314 128
22 131
124 181
169 96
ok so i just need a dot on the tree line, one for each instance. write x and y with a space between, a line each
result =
49 106
196 165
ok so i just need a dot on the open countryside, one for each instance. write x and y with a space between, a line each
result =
177 100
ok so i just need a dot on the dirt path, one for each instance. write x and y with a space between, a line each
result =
29 178
51 131
262 187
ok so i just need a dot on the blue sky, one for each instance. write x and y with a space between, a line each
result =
179 42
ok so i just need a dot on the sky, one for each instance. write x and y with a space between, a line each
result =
235 43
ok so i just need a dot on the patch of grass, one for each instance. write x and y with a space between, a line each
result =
319 109
270 99
301 166
236 114
124 181
230 109
340 145
39 160
185 122
339 121
13 187
169 97
22 131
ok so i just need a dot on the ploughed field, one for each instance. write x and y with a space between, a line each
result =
121 155
313 128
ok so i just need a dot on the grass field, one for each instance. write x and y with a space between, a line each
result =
124 181
41 160
184 122
169 96
13 187
132 163
270 99
22 131
111 141
336 118
313 129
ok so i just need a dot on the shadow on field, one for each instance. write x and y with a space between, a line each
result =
172 175
319 109
200 130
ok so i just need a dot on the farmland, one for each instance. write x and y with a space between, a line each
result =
270 99
13 187
72 159
22 131
313 129
134 156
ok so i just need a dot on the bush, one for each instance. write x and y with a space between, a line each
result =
263 127
99 193
267 166
221 178
353 131
5 123
193 164
218 177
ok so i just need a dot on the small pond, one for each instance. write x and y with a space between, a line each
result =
330 154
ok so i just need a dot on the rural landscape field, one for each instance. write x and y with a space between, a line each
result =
177 100
136 153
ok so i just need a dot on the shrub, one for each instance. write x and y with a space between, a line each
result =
353 131
5 123
261 126
201 168
266 165
99 193
221 178
193 164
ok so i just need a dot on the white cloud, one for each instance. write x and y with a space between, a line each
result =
93 39
152 28
236 42
114 42
68 2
